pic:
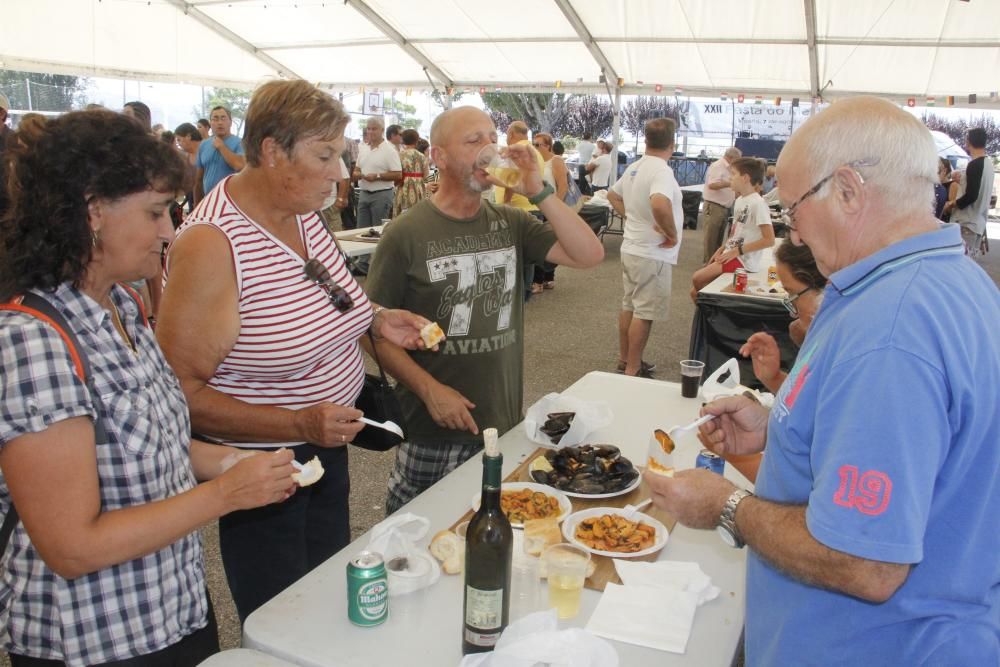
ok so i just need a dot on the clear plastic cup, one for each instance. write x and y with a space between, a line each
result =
691 372
492 161
566 568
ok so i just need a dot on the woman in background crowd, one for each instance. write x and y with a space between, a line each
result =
410 189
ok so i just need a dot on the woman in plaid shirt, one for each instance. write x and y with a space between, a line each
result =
105 566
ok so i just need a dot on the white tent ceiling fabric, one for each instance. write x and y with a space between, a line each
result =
804 48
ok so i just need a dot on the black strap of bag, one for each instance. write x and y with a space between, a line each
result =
39 307
378 401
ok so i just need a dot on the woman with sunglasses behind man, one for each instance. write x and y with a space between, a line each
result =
261 320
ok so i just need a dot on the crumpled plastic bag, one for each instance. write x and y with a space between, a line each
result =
396 537
715 388
590 416
535 640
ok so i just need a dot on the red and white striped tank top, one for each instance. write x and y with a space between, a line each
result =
294 348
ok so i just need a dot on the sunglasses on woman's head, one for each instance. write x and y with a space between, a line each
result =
318 273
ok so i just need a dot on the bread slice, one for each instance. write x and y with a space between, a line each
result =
449 549
311 473
431 335
539 534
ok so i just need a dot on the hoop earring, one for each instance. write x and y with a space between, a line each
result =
94 238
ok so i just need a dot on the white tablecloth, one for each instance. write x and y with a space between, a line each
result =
307 624
356 248
242 657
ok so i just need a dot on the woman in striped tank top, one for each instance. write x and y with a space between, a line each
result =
267 358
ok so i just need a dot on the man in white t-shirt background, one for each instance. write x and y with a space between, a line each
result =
752 230
649 199
600 167
378 167
718 198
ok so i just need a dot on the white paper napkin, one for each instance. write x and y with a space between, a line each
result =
655 606
537 640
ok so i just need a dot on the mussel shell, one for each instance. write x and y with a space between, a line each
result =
607 451
540 476
586 486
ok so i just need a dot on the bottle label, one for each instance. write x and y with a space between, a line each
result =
481 638
483 610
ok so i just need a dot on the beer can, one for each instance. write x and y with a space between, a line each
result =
740 280
367 590
710 461
772 274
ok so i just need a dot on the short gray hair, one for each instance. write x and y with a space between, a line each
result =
733 154
871 129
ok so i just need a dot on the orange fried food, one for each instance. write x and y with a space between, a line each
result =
612 532
666 442
520 506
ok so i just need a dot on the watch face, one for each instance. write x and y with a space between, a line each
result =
726 536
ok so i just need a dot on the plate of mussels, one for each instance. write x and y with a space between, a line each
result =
586 471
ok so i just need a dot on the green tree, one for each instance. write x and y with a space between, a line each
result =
589 113
405 113
642 108
543 112
43 92
957 128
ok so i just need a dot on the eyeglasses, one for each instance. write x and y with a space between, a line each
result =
538 145
789 302
854 165
318 273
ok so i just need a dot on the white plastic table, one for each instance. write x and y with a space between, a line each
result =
307 623
356 248
757 279
242 657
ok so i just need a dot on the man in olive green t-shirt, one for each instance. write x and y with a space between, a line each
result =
458 261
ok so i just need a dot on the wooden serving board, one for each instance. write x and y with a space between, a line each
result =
362 238
605 572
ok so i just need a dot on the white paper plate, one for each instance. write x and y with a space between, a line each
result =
565 506
571 522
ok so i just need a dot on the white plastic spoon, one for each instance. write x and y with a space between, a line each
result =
388 425
677 431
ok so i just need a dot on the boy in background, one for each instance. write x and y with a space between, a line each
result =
751 232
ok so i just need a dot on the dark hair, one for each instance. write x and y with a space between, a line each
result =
946 163
659 133
423 145
586 136
142 113
750 166
221 108
392 131
167 137
977 137
410 137
800 261
558 148
188 130
45 236
204 121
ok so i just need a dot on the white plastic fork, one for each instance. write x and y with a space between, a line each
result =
388 425
632 510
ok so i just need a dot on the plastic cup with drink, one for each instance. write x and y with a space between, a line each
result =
691 372
497 165
566 568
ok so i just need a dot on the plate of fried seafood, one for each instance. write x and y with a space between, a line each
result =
611 531
586 471
523 501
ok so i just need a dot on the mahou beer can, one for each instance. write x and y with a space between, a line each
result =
740 280
772 274
367 590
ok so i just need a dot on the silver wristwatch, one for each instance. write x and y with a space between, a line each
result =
727 520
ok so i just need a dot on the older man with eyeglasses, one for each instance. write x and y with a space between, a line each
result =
873 534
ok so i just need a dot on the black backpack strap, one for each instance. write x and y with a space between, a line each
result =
39 307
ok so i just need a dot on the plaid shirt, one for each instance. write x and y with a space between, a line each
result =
135 607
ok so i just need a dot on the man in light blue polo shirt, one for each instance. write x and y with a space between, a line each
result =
873 535
219 156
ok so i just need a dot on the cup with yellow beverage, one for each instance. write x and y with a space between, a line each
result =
492 161
566 568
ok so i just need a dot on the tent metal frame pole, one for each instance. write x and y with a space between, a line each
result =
810 16
362 8
588 40
201 17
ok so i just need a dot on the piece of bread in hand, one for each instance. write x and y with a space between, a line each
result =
540 534
311 472
449 549
431 335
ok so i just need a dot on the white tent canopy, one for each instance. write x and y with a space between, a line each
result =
802 48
